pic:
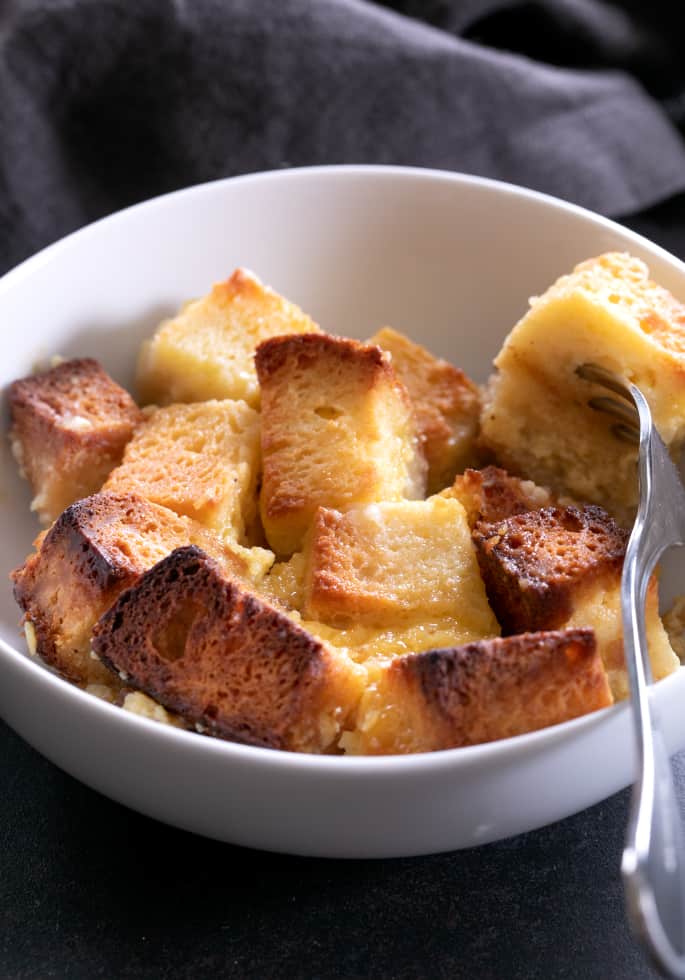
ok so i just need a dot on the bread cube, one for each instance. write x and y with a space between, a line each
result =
389 563
491 494
226 661
561 567
69 429
97 548
338 431
446 404
537 419
207 350
480 692
201 460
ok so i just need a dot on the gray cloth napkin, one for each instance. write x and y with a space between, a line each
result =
107 102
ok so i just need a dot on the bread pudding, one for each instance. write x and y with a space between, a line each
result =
97 548
538 418
292 546
207 350
338 430
70 426
446 404
201 460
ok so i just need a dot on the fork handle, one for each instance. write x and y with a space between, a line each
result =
652 866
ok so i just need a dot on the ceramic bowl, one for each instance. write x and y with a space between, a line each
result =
451 261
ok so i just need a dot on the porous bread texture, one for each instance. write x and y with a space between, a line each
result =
487 690
561 567
338 430
393 563
492 494
446 404
96 548
201 460
536 417
207 350
228 662
69 429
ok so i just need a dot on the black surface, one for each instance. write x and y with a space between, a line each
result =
90 889
105 103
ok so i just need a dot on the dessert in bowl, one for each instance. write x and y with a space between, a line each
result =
356 248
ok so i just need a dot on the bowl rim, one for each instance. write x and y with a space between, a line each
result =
341 766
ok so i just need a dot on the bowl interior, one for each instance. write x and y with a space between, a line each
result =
451 261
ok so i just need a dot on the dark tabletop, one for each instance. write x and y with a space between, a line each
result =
97 111
91 889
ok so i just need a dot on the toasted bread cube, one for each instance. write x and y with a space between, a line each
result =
338 431
388 563
69 429
201 460
226 661
481 692
561 567
491 494
446 404
207 350
537 418
96 548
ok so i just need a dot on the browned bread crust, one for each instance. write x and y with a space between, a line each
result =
536 564
69 429
481 692
96 548
224 659
492 494
338 429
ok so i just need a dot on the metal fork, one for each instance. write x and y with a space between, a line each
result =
653 864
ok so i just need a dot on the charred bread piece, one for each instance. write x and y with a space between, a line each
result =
201 460
388 563
446 404
96 548
69 429
561 566
536 418
207 350
480 692
492 494
338 431
209 650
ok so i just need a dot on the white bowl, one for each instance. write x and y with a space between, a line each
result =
448 259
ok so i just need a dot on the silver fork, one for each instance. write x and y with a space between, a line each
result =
653 864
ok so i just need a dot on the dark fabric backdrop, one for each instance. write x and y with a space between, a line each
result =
107 102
